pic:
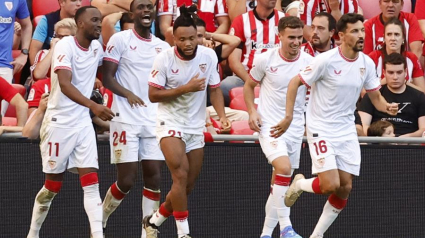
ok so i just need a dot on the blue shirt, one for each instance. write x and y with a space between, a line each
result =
40 32
9 9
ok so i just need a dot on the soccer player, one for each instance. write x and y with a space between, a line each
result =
179 81
127 63
67 135
336 78
273 70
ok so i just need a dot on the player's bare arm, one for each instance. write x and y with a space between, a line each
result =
217 100
291 95
109 70
381 104
75 95
165 95
249 96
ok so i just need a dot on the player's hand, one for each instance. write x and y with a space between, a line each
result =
226 125
43 102
134 100
280 128
196 84
392 108
255 121
19 63
97 84
334 5
102 112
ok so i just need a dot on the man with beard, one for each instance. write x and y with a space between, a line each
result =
322 30
336 78
273 70
127 63
67 135
178 82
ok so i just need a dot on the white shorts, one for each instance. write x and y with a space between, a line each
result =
192 141
277 147
133 143
327 155
68 148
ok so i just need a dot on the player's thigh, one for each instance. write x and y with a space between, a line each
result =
348 156
124 142
85 153
196 159
322 153
174 150
56 146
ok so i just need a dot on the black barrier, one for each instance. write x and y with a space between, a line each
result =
388 198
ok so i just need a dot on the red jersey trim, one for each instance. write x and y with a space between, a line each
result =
111 60
215 85
303 81
253 79
79 46
289 60
156 85
345 58
374 89
62 67
176 52
142 38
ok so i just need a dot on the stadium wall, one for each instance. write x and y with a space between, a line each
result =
388 198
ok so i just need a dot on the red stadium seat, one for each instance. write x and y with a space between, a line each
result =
241 128
42 7
9 121
16 76
36 20
235 92
11 112
238 103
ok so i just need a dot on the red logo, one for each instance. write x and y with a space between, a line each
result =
158 50
273 69
154 73
175 71
133 47
60 57
109 49
337 72
307 69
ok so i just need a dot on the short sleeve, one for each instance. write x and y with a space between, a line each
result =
415 33
7 92
158 75
62 56
40 33
34 97
22 11
214 79
313 71
417 68
258 70
114 49
372 81
366 105
236 28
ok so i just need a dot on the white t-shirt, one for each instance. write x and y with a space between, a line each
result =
274 72
336 83
134 56
170 70
83 63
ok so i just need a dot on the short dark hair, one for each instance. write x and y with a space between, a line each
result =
81 11
395 59
378 128
331 20
125 18
289 22
351 18
200 22
187 17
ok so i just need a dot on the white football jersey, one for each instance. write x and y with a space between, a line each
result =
336 83
171 71
83 63
134 56
274 72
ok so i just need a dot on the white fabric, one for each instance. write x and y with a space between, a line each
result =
171 71
283 211
110 204
83 63
42 203
328 216
93 207
134 56
192 141
271 219
336 83
278 147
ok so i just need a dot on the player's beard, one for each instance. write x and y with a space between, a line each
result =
187 57
357 47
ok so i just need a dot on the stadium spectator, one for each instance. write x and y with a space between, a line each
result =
127 64
107 7
420 14
309 8
290 7
109 22
374 27
274 70
323 28
331 132
68 139
239 7
178 81
10 94
394 42
31 129
214 13
256 29
381 128
11 11
410 119
45 30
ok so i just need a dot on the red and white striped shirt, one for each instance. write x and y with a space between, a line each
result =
171 7
208 10
257 35
309 8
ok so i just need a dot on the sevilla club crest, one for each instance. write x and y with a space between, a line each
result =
203 67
